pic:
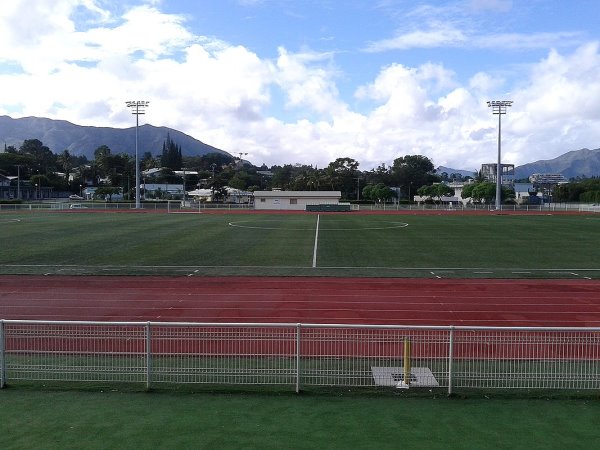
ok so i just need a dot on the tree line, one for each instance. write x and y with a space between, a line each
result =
35 163
406 177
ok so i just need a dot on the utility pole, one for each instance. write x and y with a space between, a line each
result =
183 188
499 108
137 109
19 181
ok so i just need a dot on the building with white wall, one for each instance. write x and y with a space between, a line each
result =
294 200
490 173
547 178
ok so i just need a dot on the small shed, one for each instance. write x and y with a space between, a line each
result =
294 200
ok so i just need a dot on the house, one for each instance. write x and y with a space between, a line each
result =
455 199
233 195
162 191
201 195
490 173
525 193
89 193
238 196
547 178
294 200
5 187
458 187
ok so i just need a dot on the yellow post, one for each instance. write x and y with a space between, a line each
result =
406 361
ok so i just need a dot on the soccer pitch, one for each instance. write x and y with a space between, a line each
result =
345 244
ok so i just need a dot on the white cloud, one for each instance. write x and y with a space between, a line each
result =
522 42
308 81
436 35
230 97
468 24
448 35
557 108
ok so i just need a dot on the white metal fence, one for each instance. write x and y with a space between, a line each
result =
175 206
300 355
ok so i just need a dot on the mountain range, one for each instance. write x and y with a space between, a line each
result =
59 135
583 163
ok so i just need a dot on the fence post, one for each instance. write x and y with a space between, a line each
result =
2 360
450 359
148 356
298 348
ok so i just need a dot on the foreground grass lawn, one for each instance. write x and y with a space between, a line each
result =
72 419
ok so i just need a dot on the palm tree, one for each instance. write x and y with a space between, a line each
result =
66 162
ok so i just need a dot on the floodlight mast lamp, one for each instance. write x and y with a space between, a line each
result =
499 107
137 109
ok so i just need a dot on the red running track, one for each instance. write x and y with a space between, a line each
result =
397 301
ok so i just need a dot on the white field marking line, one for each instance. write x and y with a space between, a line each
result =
236 225
580 276
314 261
192 267
189 268
394 225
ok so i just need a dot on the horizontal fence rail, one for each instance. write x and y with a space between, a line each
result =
300 355
192 206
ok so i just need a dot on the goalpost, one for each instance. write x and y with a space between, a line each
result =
178 206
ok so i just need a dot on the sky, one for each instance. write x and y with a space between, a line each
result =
309 81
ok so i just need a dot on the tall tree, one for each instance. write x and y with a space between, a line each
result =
148 161
171 154
485 192
377 192
101 160
436 191
66 162
414 171
43 158
342 174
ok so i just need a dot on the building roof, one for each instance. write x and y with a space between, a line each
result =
171 188
305 194
523 187
232 192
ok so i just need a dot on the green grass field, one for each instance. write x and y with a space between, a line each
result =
112 419
507 246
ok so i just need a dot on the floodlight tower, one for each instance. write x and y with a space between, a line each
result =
137 109
499 108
